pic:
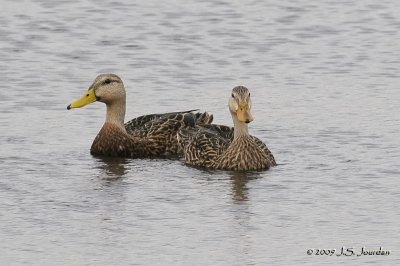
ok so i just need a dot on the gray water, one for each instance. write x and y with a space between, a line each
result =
324 78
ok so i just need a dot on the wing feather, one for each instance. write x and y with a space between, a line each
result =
265 149
162 129
202 146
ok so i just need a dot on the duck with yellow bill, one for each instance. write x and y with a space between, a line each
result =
145 136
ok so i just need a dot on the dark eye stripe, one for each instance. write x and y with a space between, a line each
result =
107 81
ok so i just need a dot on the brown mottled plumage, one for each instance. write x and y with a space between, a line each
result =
222 147
145 136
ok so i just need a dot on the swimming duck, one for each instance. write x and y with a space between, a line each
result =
145 136
222 147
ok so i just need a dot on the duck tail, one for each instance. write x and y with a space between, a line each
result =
204 118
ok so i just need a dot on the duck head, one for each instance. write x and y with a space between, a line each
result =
106 88
240 104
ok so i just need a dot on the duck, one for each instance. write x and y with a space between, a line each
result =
153 135
222 147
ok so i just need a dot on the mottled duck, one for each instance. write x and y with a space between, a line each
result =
145 136
222 147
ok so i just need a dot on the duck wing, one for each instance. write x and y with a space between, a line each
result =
202 146
225 132
141 121
162 128
265 149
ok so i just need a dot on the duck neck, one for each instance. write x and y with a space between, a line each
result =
240 128
116 113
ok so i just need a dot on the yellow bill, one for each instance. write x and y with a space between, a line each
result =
87 98
243 113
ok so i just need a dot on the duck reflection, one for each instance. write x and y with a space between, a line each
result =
239 184
112 168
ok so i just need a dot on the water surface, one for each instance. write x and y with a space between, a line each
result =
324 79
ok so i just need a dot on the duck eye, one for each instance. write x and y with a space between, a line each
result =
233 96
107 81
